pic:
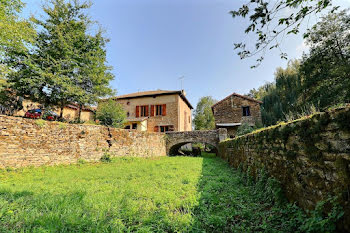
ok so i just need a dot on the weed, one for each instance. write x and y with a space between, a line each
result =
40 122
62 125
106 158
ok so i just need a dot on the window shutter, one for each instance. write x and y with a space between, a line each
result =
164 110
156 128
137 111
152 110
147 110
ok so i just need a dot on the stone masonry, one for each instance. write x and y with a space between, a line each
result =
230 110
174 140
25 142
310 157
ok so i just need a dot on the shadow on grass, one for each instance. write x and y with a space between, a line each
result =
231 202
24 211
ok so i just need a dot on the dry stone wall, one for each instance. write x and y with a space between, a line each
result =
310 157
26 142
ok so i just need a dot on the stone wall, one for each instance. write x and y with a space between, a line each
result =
310 157
26 142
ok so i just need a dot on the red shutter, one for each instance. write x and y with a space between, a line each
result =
152 110
156 128
164 110
137 111
147 110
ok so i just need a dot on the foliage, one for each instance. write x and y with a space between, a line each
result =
270 23
325 70
15 32
203 115
9 102
106 157
244 129
317 82
67 62
191 195
90 123
62 125
40 122
110 113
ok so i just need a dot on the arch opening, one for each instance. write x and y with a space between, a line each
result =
190 148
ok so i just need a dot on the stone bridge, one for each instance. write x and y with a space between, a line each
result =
177 139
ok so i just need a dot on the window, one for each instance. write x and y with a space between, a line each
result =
127 127
246 111
166 128
159 110
128 114
142 111
134 126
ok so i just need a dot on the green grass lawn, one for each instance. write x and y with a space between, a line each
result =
166 194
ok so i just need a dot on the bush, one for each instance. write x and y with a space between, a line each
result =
244 129
106 158
111 114
40 123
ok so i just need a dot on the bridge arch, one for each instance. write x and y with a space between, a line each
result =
177 139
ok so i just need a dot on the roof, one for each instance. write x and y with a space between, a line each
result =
240 96
76 106
154 93
228 124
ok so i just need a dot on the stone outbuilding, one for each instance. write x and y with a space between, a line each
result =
235 110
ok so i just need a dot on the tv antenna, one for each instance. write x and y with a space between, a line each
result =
182 81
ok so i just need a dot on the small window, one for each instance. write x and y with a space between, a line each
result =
128 114
166 128
246 111
144 111
127 127
159 110
134 126
128 103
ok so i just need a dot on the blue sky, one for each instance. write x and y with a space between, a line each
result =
154 42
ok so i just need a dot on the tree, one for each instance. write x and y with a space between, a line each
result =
270 23
67 62
203 116
325 70
281 96
15 34
111 114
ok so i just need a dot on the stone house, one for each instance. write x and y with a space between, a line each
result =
157 111
234 110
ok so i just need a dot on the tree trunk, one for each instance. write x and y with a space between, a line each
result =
61 112
79 113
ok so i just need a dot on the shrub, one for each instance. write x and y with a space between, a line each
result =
90 123
40 123
106 158
244 129
62 125
111 114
